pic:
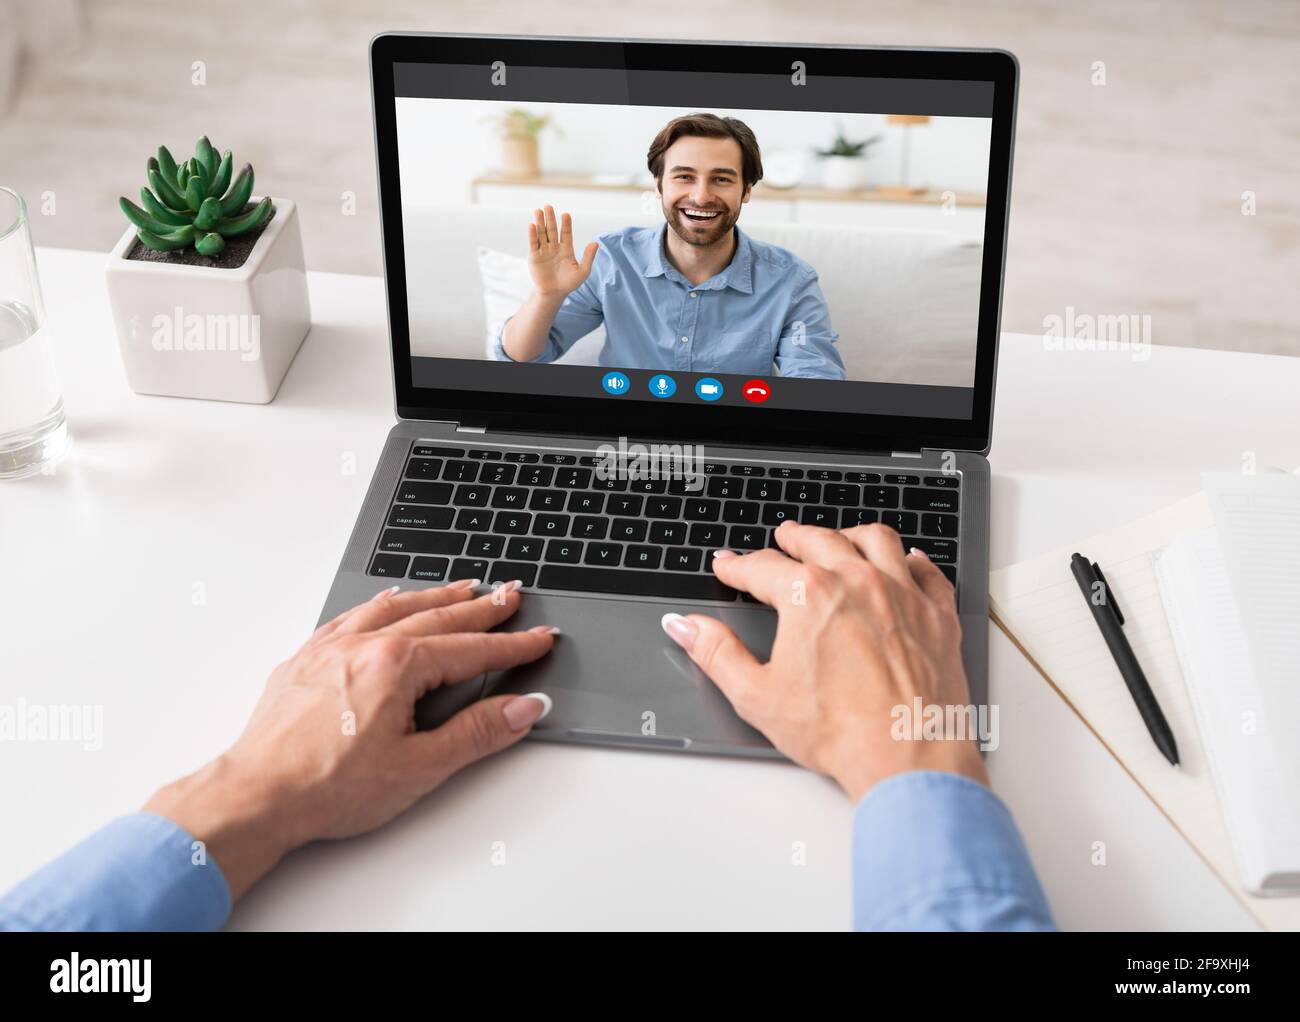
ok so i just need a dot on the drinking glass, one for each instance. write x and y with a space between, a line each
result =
33 431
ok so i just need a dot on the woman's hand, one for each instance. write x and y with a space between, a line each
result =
331 749
862 629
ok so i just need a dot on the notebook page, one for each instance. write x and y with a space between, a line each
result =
1038 603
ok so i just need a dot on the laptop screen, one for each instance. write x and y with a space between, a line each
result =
708 242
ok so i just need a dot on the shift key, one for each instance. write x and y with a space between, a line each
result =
417 541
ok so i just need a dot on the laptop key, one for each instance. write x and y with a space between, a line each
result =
625 581
899 479
513 523
508 571
680 558
524 548
460 471
472 495
573 478
624 505
522 457
586 503
902 522
547 500
418 541
853 516
708 535
702 510
943 482
939 525
389 565
560 459
587 527
930 500
430 569
408 516
423 468
880 496
501 474
763 489
784 472
509 496
862 477
819 514
535 475
746 470
941 551
602 553
612 484
637 556
566 551
726 486
484 455
667 532
825 474
551 525
663 507
842 494
425 451
775 514
464 567
744 537
423 493
648 486
629 530
803 492
473 519
949 570
485 546
744 512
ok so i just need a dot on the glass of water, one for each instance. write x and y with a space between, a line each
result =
33 431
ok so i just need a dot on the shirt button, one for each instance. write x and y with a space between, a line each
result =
695 294
685 339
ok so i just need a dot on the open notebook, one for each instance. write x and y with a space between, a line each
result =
1038 604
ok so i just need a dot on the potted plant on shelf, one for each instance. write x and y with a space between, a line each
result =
844 164
520 130
207 285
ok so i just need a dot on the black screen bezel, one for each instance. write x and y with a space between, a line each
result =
600 416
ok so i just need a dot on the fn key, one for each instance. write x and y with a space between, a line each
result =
389 565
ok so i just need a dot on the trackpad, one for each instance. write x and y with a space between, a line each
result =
616 678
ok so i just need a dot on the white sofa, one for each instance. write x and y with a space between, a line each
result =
905 303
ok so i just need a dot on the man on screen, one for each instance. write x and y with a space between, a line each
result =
694 294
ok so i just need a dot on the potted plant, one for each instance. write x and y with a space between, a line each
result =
207 285
844 164
519 130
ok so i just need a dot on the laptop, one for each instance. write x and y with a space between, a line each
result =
649 299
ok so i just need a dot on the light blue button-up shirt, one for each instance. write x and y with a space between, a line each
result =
931 851
764 310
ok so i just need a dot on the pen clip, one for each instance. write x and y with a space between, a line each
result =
1110 593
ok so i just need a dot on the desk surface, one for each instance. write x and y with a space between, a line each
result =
135 578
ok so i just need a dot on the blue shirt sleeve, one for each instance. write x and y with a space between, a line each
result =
939 851
807 344
140 872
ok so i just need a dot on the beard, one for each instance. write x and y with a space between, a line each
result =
697 232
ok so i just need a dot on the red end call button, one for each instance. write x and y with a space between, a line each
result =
757 391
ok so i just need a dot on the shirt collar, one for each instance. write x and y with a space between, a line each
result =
737 275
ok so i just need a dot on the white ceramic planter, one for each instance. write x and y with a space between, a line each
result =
197 331
844 173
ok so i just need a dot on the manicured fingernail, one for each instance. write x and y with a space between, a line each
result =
527 710
512 585
465 583
680 629
545 630
385 592
719 554
916 551
788 521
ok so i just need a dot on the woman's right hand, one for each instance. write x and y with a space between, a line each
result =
862 629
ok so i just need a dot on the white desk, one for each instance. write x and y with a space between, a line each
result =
254 503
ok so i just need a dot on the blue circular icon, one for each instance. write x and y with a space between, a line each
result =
615 383
708 389
663 386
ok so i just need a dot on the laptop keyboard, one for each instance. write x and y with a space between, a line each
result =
551 521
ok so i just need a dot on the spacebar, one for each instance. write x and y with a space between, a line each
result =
634 583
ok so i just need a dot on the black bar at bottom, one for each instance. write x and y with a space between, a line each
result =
634 583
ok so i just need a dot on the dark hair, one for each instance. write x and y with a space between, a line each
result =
708 126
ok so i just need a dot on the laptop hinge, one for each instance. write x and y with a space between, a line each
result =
470 429
905 454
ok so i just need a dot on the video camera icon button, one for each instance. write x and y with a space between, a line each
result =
708 389
615 383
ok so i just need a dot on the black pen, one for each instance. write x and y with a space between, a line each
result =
1105 611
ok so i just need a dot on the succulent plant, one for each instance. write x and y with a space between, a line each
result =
195 202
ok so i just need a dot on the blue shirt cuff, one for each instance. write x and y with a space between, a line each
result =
938 851
140 872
